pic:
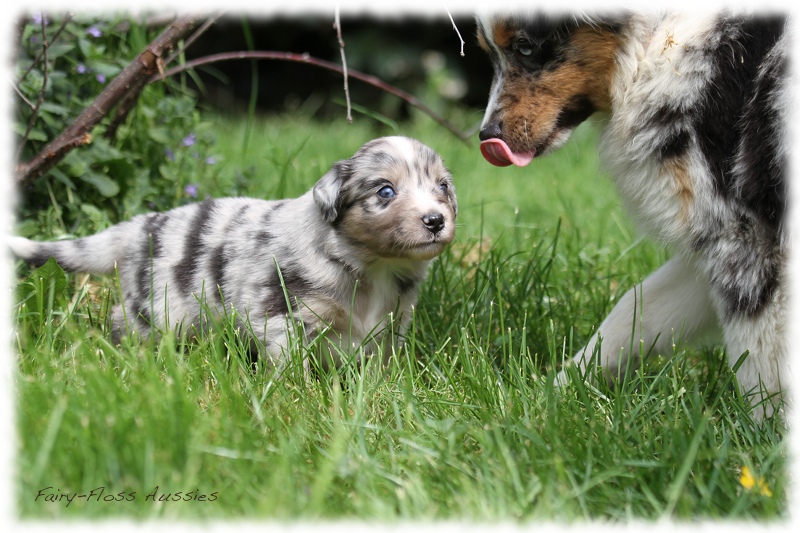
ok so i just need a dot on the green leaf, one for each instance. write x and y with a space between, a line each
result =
55 108
85 47
59 49
77 167
161 135
104 185
98 217
101 151
107 69
26 228
48 277
60 176
168 172
34 135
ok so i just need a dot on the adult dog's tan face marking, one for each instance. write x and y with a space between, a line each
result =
551 74
394 198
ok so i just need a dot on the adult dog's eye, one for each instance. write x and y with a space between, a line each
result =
386 192
524 48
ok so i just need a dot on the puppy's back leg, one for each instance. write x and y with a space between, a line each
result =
125 323
672 304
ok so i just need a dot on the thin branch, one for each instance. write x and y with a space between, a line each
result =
45 78
124 107
132 79
67 18
193 37
338 25
305 58
456 28
22 96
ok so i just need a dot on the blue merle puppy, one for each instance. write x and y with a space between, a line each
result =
345 260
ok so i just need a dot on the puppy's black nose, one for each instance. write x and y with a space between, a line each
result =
434 222
492 130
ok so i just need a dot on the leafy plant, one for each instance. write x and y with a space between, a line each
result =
142 163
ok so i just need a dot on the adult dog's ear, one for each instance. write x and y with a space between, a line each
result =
327 192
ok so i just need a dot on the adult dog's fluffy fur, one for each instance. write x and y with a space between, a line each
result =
695 140
350 253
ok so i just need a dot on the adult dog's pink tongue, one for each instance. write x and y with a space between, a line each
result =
497 152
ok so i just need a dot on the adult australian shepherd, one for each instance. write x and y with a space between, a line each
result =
695 140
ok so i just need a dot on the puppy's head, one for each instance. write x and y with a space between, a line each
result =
394 198
551 72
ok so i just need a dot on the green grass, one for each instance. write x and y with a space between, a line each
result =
465 424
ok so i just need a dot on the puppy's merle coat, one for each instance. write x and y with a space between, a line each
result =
695 139
350 253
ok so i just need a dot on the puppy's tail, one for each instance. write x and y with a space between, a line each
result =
97 254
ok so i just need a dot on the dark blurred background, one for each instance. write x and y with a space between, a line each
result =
418 54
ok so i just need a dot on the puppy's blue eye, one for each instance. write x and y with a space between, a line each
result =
386 192
443 187
524 49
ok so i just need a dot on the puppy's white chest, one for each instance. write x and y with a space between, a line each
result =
375 302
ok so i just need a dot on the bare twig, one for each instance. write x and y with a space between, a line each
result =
131 80
22 96
35 62
193 37
456 28
124 107
45 77
305 58
338 25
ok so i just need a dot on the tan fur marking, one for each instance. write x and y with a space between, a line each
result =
598 50
532 103
675 169
502 34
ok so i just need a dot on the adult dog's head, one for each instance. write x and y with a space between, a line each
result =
393 199
550 74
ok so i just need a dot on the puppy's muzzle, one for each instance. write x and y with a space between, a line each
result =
434 222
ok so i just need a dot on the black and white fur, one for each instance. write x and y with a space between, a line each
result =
695 139
351 254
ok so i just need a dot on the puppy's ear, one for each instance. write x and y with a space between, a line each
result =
327 192
451 194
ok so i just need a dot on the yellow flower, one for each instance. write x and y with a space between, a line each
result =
749 482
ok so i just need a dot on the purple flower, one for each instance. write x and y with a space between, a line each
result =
81 68
211 160
39 17
101 78
94 31
191 190
170 154
189 139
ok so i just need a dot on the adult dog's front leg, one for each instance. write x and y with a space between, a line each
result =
672 305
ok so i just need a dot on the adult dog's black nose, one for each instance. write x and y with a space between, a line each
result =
434 222
492 130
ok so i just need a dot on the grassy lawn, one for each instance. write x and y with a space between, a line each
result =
465 424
